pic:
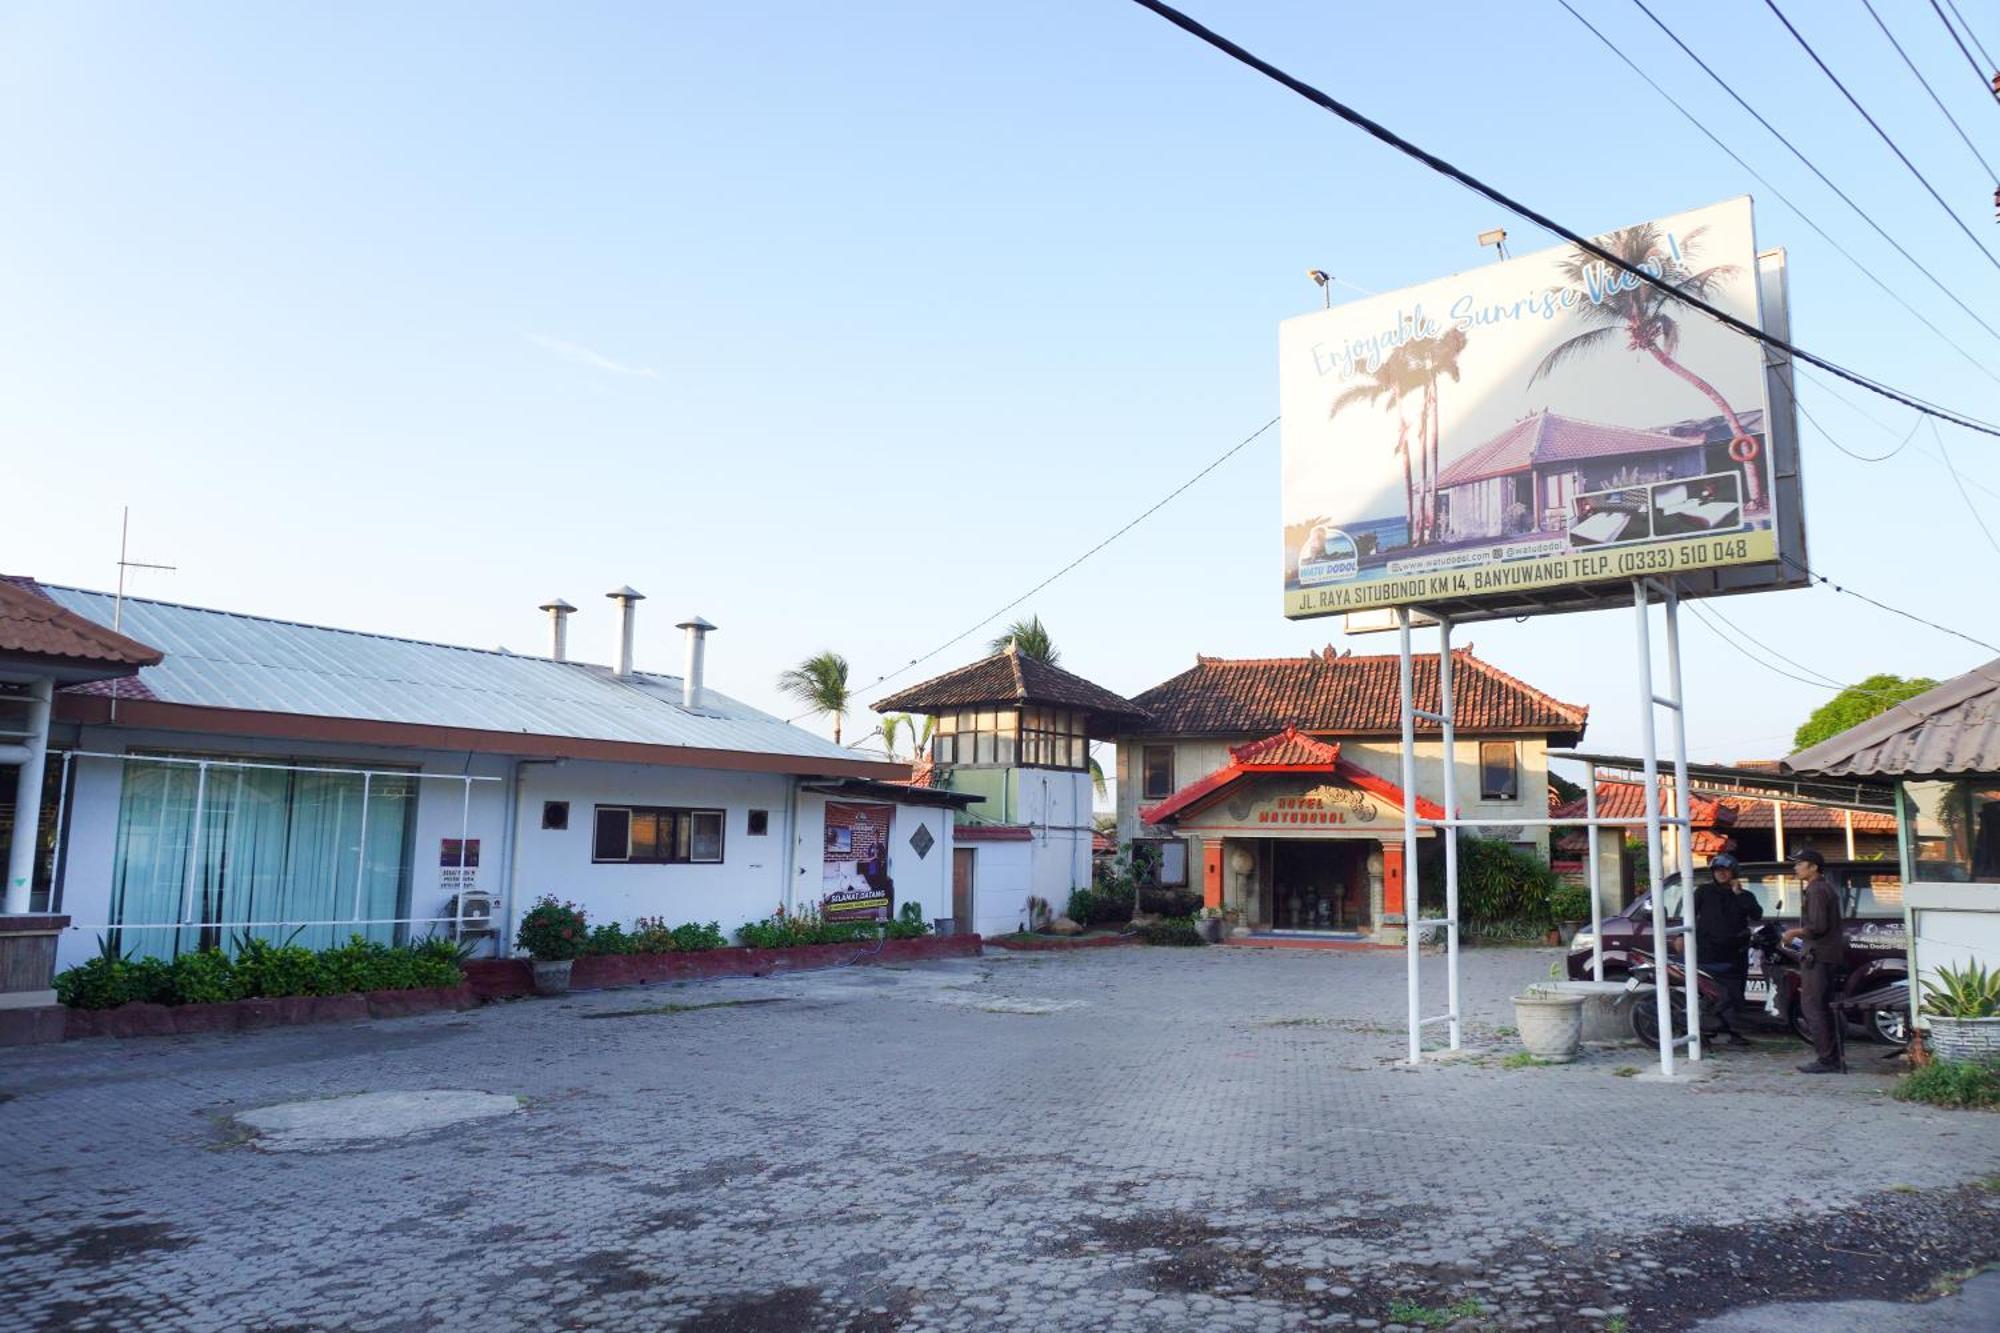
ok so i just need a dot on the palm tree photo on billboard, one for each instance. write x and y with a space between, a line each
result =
1546 420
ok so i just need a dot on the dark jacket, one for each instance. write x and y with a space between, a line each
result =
1825 940
1723 918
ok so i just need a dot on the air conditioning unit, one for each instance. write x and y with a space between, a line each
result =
468 915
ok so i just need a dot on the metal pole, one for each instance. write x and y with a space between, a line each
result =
1683 830
194 847
464 829
1448 711
1410 915
1650 756
361 856
1778 831
1596 877
22 847
1847 818
62 808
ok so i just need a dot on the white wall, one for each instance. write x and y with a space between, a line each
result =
1002 876
1951 925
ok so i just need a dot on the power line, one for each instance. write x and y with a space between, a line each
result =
1865 458
1883 134
1894 295
1983 55
1813 167
1992 90
1939 101
1892 610
1151 510
1543 220
1959 482
1856 408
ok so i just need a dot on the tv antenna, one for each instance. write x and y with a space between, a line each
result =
118 603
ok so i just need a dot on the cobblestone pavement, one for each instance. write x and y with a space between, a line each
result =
1123 1139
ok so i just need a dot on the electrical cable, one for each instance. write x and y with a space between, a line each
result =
1813 167
1959 482
1822 579
1381 132
1939 101
988 619
1983 367
1828 435
1857 409
1883 134
1992 90
1984 54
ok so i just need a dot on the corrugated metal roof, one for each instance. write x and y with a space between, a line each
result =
219 659
1947 731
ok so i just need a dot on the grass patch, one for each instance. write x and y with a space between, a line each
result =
1616 1324
671 1008
1958 1084
1525 1060
1432 1316
1628 1071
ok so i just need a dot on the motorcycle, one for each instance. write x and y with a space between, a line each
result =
1644 976
1870 989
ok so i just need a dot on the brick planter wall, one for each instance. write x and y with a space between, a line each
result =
504 978
1042 944
166 1020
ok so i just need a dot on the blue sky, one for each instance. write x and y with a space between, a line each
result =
844 325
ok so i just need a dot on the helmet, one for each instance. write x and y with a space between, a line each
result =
1722 861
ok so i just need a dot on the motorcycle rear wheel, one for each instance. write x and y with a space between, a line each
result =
1646 1018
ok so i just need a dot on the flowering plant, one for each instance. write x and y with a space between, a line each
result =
552 931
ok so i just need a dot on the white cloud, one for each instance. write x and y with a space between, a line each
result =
583 356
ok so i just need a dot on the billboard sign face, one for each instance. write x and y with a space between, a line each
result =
1542 423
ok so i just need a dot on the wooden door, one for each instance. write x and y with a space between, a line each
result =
961 890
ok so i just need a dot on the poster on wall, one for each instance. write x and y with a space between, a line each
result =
458 864
855 864
1542 422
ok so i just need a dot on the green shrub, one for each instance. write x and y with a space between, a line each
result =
1570 902
1100 906
439 961
1960 1084
1169 902
101 983
552 931
1496 882
1963 992
909 923
693 937
264 968
204 977
608 938
789 930
149 981
1179 931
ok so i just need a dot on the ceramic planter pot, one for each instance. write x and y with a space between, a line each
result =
551 978
1210 928
1551 1024
1965 1038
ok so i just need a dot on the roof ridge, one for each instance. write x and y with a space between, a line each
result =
1581 712
328 629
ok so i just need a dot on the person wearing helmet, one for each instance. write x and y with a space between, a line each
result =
1724 914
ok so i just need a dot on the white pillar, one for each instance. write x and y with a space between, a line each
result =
1410 886
28 799
1847 819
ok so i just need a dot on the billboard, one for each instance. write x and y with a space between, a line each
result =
1516 433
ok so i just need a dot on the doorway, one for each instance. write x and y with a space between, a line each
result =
1320 886
961 891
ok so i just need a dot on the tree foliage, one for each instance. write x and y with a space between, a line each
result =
820 683
1030 637
1856 704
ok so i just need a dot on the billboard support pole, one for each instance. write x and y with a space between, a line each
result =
1407 689
1596 873
1447 725
1683 819
1650 756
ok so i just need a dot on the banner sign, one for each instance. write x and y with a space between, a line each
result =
855 865
1548 420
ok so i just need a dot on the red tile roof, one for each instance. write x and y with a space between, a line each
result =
1010 677
1549 438
1621 802
1625 803
1290 751
1331 694
31 625
1754 813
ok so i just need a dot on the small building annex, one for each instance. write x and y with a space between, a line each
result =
282 779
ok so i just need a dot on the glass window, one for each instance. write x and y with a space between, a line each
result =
1499 771
1160 862
657 835
1953 830
274 844
760 823
1159 779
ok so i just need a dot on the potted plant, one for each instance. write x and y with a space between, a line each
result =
1963 1005
553 933
1209 923
1570 906
1550 1023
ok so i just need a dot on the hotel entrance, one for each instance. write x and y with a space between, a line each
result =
1320 885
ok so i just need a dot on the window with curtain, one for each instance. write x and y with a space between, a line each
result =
275 845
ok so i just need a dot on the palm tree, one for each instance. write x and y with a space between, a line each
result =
820 683
1643 312
1393 379
1433 359
896 725
1030 638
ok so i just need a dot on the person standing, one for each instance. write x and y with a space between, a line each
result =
1825 940
1724 913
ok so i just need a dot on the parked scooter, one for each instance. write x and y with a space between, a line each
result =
1871 988
1644 976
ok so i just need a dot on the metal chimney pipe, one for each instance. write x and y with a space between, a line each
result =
697 656
628 602
559 614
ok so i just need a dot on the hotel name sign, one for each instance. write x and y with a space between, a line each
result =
1325 806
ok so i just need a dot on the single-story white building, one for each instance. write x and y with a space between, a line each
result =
291 780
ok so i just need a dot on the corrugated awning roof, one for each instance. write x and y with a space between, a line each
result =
1952 730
